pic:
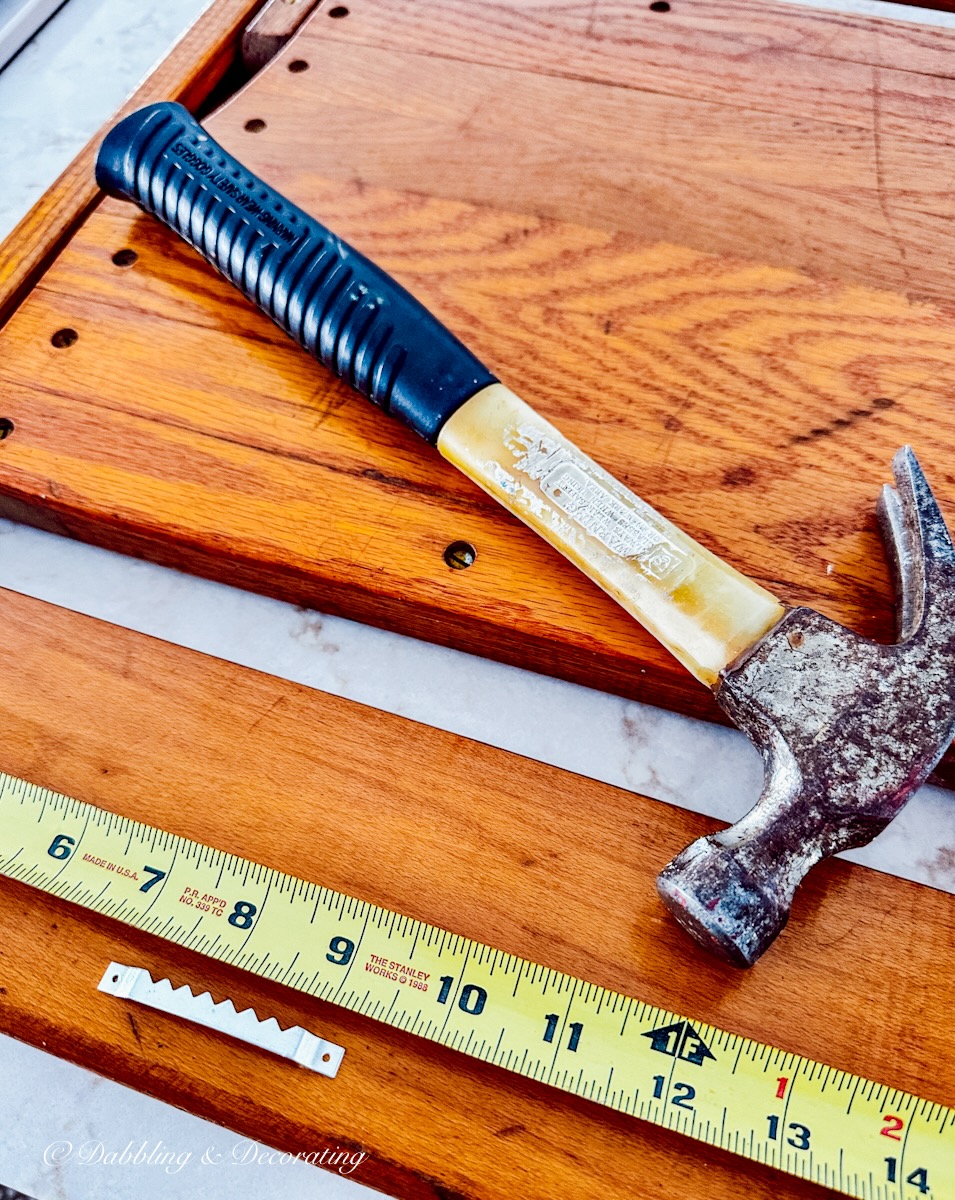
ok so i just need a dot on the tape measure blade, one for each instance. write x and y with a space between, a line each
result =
813 1121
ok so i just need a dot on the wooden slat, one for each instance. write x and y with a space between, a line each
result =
757 408
271 28
751 400
495 847
195 65
787 134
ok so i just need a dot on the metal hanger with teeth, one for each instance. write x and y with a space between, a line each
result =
301 1046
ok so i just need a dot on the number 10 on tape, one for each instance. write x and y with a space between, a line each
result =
848 1133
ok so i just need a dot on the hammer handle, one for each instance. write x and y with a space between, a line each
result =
341 308
353 317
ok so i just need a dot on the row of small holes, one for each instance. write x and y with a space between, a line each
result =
296 66
458 555
66 337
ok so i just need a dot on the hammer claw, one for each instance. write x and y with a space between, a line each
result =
896 537
918 545
929 533
848 728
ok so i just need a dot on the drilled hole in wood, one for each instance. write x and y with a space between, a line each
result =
297 66
338 11
659 6
6 427
255 125
125 258
64 338
460 555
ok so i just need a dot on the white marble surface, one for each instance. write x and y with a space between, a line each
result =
52 98
69 79
697 765
68 1133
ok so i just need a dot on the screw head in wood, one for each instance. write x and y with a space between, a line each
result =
460 555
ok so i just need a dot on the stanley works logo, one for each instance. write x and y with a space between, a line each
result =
680 1040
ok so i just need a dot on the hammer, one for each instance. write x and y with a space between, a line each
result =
848 728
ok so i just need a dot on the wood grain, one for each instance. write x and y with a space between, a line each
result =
452 832
791 135
757 408
194 66
754 402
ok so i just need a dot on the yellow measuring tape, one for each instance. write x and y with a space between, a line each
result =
851 1134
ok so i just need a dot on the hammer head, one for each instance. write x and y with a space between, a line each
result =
848 728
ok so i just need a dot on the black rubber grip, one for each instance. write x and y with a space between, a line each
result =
335 303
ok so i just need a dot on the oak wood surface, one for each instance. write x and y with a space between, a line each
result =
194 66
782 133
452 832
515 166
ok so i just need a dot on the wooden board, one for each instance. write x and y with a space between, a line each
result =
751 374
779 133
495 847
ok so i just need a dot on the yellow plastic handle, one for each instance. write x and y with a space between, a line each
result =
703 610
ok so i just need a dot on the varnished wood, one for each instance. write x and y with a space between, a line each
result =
755 404
757 408
787 134
197 62
495 847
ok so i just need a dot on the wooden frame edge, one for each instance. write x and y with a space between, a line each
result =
194 66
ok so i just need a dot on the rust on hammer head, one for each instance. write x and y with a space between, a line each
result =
847 727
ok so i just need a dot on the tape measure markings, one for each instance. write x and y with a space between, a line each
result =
616 1050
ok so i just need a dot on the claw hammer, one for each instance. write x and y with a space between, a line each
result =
848 728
